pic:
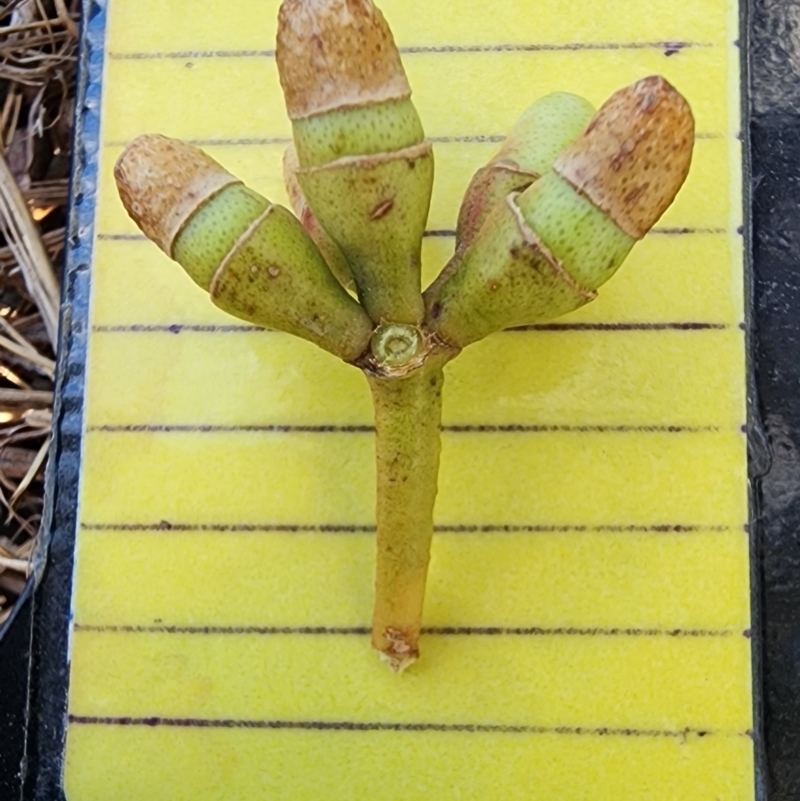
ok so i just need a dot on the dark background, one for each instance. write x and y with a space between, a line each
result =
33 651
774 132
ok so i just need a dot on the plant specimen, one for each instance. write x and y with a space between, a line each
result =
542 226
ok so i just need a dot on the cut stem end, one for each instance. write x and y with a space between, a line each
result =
398 650
396 345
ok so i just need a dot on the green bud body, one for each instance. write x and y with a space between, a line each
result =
375 209
367 174
276 277
213 230
573 227
541 254
489 186
507 278
366 170
362 131
255 259
587 242
545 128
330 251
259 264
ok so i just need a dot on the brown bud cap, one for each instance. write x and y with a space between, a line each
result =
163 181
635 154
336 53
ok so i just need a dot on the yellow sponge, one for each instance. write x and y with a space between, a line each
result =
588 608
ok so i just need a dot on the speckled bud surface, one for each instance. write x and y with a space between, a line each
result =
545 128
488 187
367 130
587 242
163 181
327 247
375 209
210 234
334 54
277 278
507 278
635 154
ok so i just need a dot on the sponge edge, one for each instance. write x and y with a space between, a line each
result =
163 181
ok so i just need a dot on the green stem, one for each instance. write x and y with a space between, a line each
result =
408 414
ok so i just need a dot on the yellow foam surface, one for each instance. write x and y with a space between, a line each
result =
588 611
239 765
577 377
581 578
151 26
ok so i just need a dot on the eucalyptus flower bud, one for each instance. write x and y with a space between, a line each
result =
358 136
545 128
544 252
541 133
253 257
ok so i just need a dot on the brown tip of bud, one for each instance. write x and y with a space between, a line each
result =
163 181
635 154
336 53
